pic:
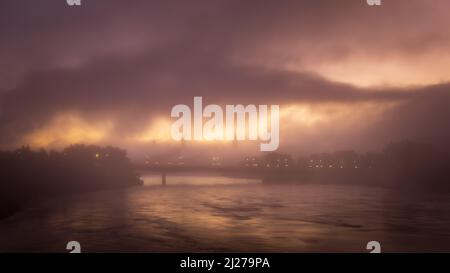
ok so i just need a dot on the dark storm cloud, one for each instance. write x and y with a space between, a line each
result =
130 60
42 34
423 117
137 89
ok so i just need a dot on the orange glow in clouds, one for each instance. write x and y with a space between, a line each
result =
66 129
296 121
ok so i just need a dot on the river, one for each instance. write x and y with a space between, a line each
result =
218 214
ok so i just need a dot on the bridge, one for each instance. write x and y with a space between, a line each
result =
259 173
163 170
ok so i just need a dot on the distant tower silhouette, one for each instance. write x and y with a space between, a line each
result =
235 141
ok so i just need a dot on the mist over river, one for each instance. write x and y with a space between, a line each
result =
218 214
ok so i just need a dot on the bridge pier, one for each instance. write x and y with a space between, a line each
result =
163 178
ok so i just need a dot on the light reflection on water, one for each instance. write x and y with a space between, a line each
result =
218 214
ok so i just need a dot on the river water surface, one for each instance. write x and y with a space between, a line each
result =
218 214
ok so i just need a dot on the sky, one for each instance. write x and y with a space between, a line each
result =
346 75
